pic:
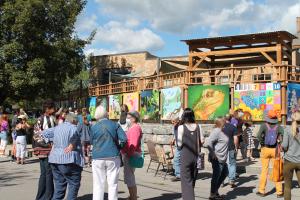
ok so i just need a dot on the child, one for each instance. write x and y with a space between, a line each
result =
248 139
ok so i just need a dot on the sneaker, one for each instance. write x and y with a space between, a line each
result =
280 195
175 179
260 194
232 184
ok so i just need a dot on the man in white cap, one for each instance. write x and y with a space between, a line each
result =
107 138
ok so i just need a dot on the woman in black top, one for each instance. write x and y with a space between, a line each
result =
21 143
189 143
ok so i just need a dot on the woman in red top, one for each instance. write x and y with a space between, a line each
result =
133 147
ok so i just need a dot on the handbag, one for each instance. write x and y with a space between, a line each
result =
136 160
277 173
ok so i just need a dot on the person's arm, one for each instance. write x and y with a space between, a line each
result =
235 137
213 138
285 142
202 139
180 135
73 143
280 134
48 134
260 133
121 135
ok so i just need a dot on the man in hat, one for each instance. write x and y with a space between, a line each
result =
66 158
269 135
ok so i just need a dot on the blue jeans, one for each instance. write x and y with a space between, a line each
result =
66 175
220 172
231 165
46 187
176 163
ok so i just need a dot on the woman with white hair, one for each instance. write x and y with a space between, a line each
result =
107 138
291 147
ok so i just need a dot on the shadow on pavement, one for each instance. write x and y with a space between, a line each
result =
241 180
239 191
6 178
90 197
166 197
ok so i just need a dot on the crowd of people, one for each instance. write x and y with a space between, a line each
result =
65 141
232 134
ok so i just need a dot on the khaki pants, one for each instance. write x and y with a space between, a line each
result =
267 155
288 172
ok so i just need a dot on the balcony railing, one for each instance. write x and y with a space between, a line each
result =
214 76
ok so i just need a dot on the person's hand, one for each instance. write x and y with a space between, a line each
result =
214 157
69 148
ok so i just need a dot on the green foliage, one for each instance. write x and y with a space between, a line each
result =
38 47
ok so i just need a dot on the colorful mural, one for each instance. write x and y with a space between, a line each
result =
115 102
171 102
150 105
92 101
258 99
102 100
132 101
293 95
209 102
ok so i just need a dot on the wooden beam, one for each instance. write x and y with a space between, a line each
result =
279 54
234 51
219 72
199 62
268 57
288 46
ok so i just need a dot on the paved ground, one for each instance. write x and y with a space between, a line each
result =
20 183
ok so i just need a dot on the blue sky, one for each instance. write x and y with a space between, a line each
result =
158 26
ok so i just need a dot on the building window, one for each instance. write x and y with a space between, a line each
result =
262 77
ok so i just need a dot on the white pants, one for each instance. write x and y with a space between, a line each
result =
106 169
21 146
3 144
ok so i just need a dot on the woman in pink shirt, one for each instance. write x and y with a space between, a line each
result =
132 148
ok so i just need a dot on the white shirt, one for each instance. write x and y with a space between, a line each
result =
191 127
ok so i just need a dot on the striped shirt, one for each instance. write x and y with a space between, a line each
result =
61 136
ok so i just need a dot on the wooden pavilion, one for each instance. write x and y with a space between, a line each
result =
231 60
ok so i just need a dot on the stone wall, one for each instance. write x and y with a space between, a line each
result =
162 133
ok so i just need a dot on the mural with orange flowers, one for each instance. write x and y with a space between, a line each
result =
258 99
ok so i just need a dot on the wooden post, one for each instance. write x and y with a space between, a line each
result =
185 93
191 63
283 83
232 85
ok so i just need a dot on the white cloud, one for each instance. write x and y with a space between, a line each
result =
96 51
177 16
124 39
86 23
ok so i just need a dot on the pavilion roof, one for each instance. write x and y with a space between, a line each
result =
246 39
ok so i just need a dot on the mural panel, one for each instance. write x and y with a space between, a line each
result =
132 101
209 102
257 99
150 105
171 102
115 102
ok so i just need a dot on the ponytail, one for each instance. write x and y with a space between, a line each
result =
295 119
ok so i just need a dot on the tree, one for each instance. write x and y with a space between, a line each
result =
38 47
